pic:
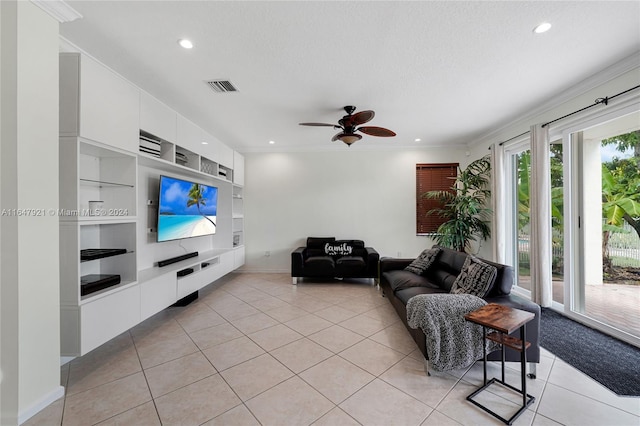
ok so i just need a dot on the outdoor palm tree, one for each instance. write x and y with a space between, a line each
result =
195 197
464 207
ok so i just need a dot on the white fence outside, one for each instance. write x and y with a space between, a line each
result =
624 248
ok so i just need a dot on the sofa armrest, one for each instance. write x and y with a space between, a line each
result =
393 263
373 257
297 262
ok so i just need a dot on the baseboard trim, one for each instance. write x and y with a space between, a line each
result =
66 359
40 405
261 271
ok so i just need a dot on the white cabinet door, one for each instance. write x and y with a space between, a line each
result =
156 294
189 284
211 149
238 168
103 319
189 135
157 118
227 262
109 108
238 256
225 156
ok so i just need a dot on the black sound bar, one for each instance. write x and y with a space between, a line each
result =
166 262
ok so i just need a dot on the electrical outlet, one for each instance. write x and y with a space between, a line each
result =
399 254
267 253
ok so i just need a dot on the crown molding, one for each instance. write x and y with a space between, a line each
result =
616 70
58 9
342 148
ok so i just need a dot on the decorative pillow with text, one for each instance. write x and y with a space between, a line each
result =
338 249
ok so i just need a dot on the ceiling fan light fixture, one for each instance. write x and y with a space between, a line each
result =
349 139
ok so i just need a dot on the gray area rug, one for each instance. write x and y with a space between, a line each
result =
609 361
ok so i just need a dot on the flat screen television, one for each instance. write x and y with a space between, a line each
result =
186 209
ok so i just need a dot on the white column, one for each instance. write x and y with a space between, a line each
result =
29 271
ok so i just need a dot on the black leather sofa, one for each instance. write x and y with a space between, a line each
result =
439 278
327 257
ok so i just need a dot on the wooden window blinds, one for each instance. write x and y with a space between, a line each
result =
431 177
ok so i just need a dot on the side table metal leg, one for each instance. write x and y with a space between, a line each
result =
503 360
484 351
523 365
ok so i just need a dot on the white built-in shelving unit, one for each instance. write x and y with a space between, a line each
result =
105 127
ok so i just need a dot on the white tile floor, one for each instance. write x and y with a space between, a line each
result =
255 350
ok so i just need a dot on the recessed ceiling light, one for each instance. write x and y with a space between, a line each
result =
204 143
417 140
272 142
542 28
185 43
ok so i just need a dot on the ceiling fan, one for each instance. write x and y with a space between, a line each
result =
348 126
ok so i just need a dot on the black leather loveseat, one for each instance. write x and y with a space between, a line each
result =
400 285
330 258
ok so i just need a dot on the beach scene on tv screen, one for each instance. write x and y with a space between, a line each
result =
186 209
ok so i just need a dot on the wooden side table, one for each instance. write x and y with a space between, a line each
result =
503 320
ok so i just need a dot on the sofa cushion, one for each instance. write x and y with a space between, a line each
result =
314 252
319 264
424 261
318 242
504 280
476 277
351 260
350 265
400 279
407 293
446 267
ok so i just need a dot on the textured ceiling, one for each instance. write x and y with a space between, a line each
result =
444 72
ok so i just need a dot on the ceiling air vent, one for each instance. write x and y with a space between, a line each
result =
222 86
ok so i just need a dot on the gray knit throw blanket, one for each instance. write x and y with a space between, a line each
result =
452 342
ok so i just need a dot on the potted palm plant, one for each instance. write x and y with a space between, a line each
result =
464 207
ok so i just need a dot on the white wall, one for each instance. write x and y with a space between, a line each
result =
30 339
348 194
370 195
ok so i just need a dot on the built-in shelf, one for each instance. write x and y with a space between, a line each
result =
176 155
101 183
104 254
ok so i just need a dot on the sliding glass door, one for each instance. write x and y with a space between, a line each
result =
518 172
518 247
605 206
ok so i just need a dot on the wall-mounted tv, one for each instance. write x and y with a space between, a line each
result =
186 209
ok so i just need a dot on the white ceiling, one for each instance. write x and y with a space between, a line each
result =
442 71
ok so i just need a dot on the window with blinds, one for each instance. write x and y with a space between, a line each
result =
431 177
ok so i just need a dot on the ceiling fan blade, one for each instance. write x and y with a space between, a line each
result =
362 117
318 124
376 131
